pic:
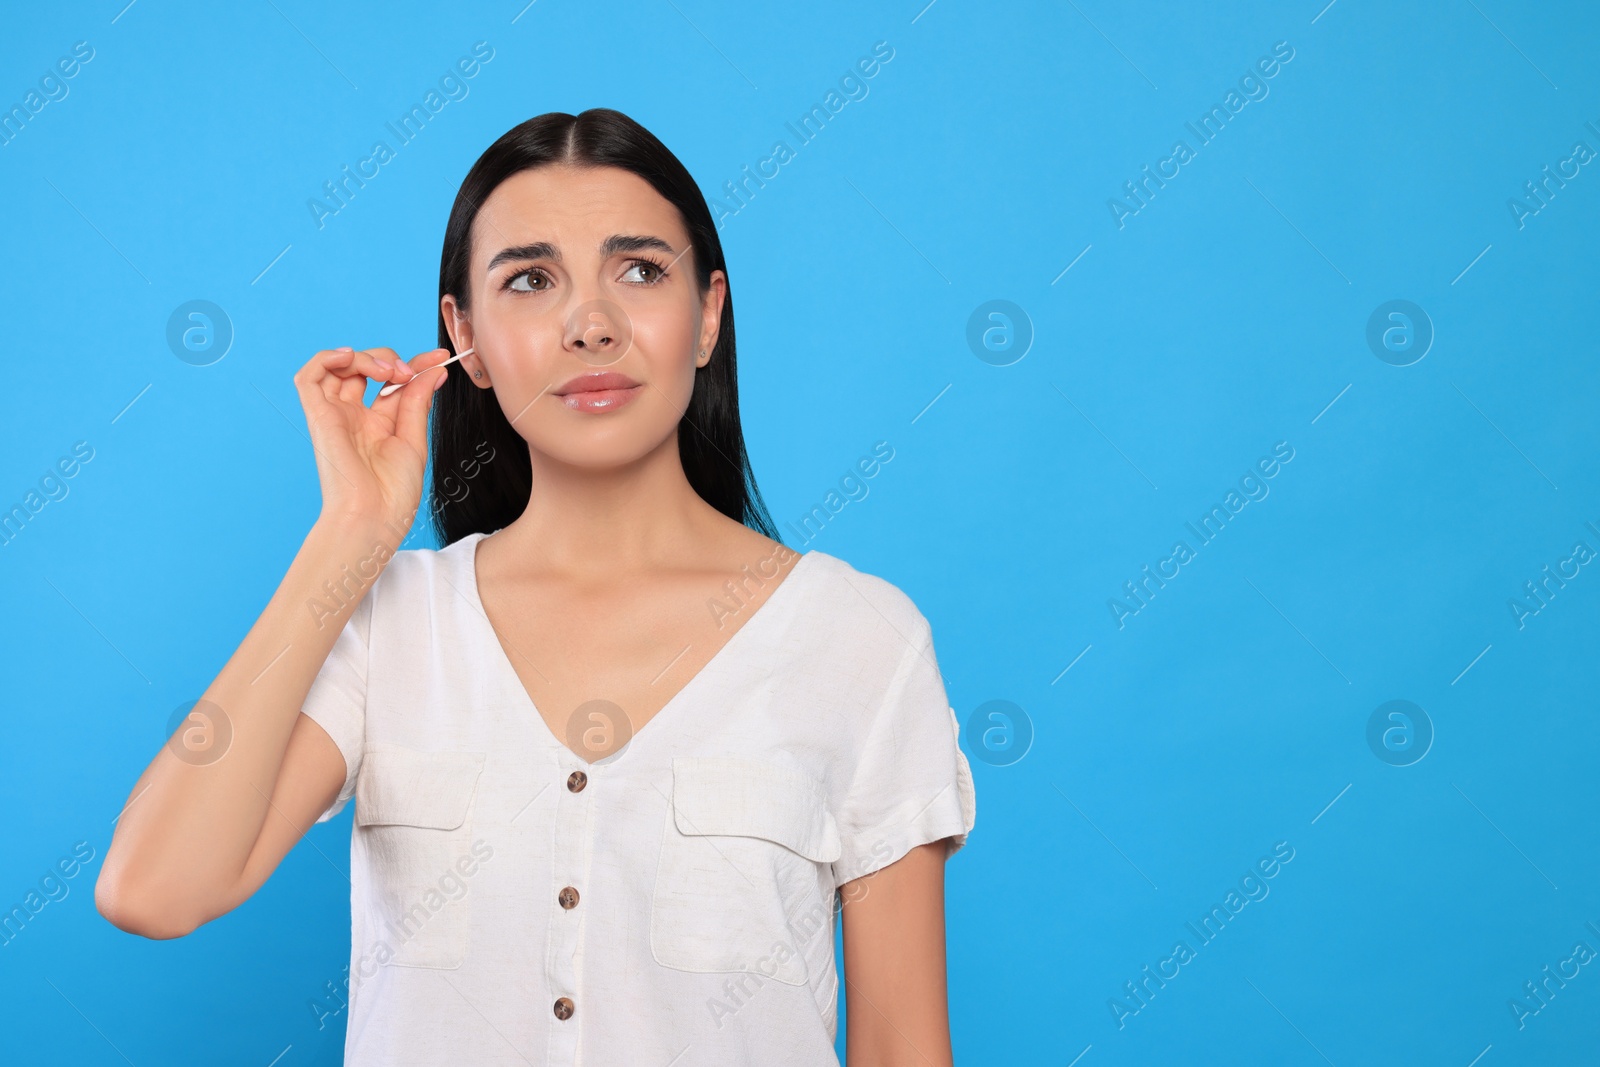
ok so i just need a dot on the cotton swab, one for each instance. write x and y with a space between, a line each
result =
386 390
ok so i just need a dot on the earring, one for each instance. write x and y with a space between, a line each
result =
477 374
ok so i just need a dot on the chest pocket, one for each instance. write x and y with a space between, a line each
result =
414 822
743 882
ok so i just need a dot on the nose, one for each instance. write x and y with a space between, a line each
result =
599 331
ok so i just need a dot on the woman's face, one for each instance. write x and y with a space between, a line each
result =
584 312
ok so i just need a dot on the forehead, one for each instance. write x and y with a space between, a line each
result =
574 208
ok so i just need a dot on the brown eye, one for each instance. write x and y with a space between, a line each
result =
657 272
511 282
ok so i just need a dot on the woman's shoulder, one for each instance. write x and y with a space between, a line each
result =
409 575
850 595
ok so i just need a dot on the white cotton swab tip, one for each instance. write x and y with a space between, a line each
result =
386 390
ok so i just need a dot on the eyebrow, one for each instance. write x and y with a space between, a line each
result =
611 246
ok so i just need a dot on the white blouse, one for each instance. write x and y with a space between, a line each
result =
669 905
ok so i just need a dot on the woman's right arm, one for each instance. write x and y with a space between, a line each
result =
201 832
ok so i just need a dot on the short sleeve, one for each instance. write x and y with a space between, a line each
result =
337 700
912 784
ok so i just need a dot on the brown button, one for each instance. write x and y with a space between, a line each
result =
576 781
568 898
563 1008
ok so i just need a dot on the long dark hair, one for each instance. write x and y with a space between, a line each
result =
470 495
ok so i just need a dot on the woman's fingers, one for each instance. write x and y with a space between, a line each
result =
342 373
387 357
363 365
340 376
407 370
415 400
371 362
358 463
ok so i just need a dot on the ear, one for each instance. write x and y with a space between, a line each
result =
459 327
710 317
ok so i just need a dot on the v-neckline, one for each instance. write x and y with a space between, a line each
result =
504 664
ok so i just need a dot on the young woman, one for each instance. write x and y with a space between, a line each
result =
618 755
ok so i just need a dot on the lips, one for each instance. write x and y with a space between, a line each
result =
596 383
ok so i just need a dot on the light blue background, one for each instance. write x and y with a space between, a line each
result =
1229 714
